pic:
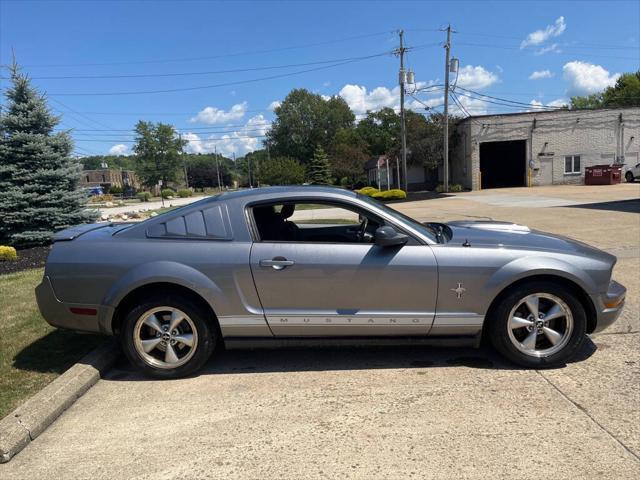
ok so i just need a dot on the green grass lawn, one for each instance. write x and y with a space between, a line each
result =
32 353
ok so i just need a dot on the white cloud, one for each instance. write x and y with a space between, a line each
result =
246 139
587 78
560 102
538 74
541 36
538 105
360 100
553 48
473 106
326 84
212 115
119 149
273 105
476 78
194 143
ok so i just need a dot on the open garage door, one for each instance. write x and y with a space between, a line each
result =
503 164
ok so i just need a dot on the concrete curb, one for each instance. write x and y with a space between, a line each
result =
32 418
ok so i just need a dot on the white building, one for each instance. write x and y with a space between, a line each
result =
542 148
384 172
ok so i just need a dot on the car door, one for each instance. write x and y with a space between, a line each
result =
325 282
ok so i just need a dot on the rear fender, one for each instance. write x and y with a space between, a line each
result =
161 272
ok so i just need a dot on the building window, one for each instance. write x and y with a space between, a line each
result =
572 164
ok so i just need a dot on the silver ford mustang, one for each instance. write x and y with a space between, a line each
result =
314 265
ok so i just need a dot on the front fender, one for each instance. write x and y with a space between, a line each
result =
160 272
531 266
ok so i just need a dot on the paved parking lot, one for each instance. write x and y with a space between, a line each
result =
383 413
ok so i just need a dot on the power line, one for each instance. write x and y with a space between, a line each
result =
507 47
225 55
235 137
161 113
510 37
80 114
184 129
211 72
504 100
133 134
225 84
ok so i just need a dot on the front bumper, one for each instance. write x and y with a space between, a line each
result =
71 316
609 305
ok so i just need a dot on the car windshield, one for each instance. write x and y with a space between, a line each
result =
423 229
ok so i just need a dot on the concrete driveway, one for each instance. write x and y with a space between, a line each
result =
382 413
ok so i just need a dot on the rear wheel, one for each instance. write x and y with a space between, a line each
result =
539 325
629 177
167 337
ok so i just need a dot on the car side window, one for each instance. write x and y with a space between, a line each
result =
314 222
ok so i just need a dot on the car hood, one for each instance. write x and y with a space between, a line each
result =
505 234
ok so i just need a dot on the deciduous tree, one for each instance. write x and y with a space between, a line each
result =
157 149
304 120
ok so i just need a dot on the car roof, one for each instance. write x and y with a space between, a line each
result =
283 190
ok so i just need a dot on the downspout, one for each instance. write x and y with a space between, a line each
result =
530 153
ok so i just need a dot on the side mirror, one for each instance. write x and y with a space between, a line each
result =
389 237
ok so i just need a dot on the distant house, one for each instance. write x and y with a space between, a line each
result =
385 172
109 177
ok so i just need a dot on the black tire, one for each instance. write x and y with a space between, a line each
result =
204 335
499 324
629 177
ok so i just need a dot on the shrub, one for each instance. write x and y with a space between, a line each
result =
184 193
144 196
393 194
115 190
368 191
167 192
101 198
454 187
8 254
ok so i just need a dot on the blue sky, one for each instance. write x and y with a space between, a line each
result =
540 52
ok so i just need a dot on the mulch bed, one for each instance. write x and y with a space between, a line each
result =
27 258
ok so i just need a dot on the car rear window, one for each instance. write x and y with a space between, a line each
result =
209 223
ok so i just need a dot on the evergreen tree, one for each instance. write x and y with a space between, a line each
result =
38 176
319 169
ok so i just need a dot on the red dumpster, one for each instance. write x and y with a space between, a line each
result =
602 175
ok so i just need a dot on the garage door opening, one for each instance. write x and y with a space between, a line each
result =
503 164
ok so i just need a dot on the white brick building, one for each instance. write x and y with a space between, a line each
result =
542 148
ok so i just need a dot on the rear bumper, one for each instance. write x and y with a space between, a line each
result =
609 305
71 316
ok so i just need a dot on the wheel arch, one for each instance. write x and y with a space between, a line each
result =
577 289
170 277
160 288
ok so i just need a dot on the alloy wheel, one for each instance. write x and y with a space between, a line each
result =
165 337
540 325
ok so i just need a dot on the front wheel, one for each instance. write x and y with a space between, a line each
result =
539 325
629 177
167 337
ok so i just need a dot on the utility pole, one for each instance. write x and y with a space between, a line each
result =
184 164
249 168
235 167
445 126
215 149
402 80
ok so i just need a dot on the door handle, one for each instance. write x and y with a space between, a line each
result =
277 263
